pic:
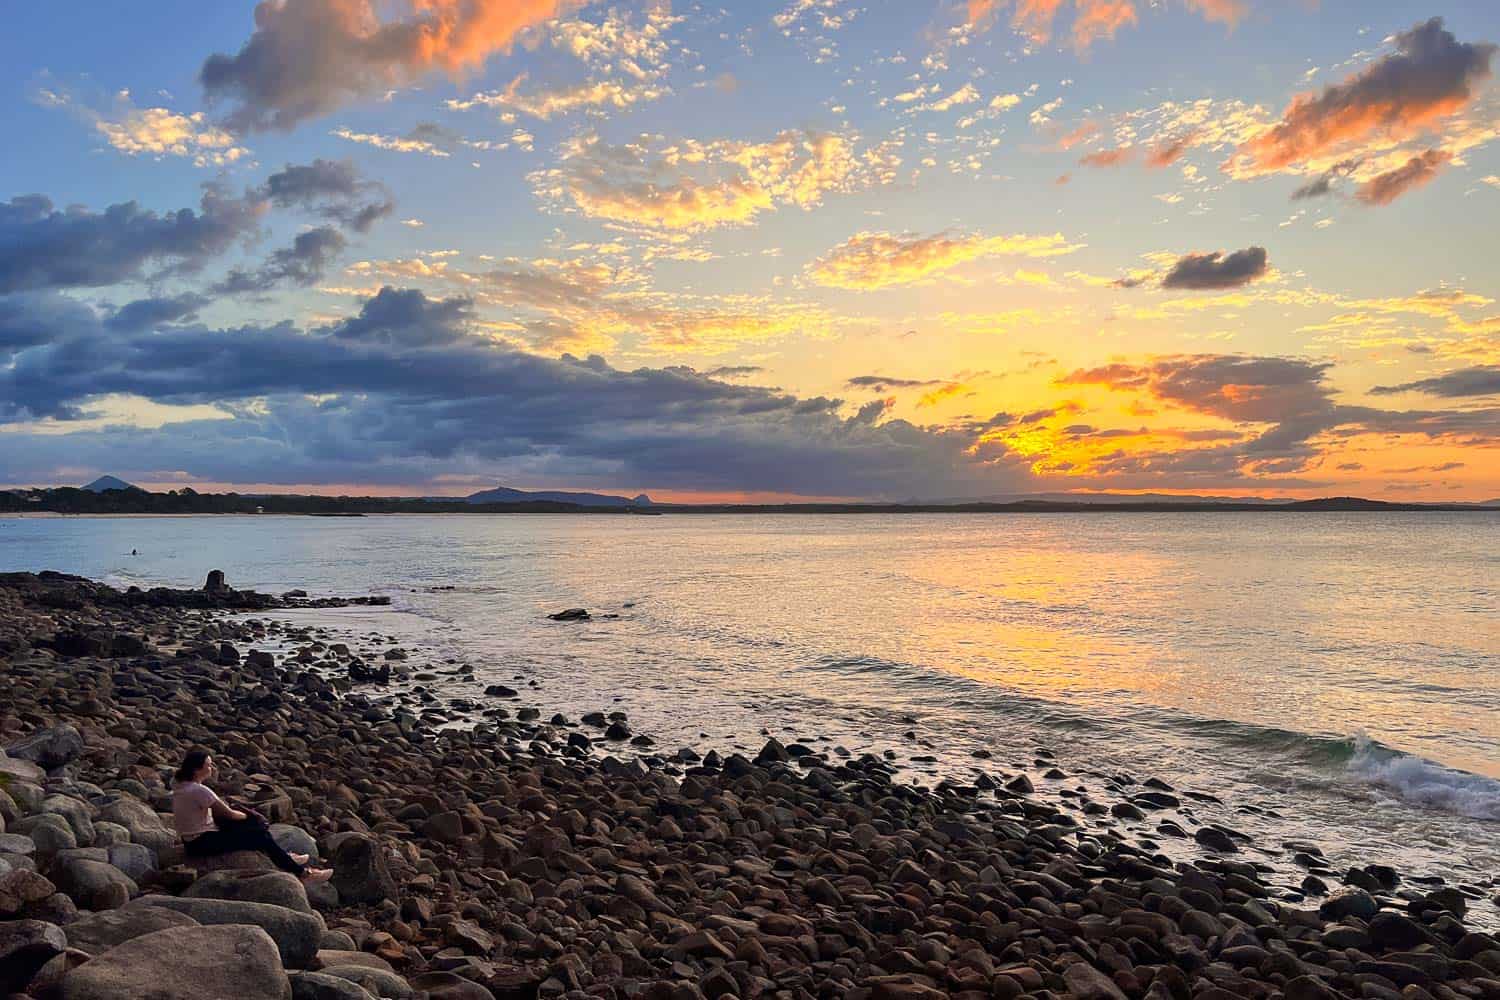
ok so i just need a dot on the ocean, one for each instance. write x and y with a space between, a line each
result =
1330 678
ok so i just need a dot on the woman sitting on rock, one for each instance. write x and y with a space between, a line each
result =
209 826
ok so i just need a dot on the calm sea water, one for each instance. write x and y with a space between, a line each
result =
1332 677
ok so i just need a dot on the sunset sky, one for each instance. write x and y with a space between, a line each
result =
804 248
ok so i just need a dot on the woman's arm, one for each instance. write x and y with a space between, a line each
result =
221 810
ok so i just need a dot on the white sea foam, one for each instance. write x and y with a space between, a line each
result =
1425 782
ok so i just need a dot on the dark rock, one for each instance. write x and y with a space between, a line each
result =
360 872
25 946
49 748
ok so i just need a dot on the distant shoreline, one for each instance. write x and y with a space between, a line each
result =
355 508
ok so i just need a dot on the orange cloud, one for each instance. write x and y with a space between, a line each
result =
692 186
1097 19
1417 171
308 57
1082 132
941 393
1092 19
1229 12
1108 157
1429 77
1170 151
980 10
880 260
1034 17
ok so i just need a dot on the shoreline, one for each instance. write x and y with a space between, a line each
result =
792 873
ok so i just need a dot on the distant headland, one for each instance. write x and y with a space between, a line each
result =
110 495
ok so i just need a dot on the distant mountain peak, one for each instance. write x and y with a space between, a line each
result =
505 494
104 483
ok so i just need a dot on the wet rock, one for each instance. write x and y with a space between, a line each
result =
1215 839
1349 903
570 615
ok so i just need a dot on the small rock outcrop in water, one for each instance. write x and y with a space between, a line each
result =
517 860
571 615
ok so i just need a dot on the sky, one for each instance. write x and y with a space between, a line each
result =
753 250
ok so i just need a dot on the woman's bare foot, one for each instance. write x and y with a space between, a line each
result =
301 859
314 875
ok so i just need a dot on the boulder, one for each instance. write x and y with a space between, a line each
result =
21 770
1349 902
78 814
135 860
108 834
1087 983
55 909
98 932
48 748
448 986
49 832
94 885
377 982
320 986
19 888
17 843
145 826
360 873
277 888
184 963
25 946
47 983
240 861
327 958
296 934
294 840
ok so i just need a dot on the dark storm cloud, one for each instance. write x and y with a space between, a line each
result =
303 263
1481 380
333 189
143 314
44 247
1217 270
404 388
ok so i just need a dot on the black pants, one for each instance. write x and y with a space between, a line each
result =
245 835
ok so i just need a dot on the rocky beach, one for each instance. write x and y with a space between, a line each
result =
516 856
